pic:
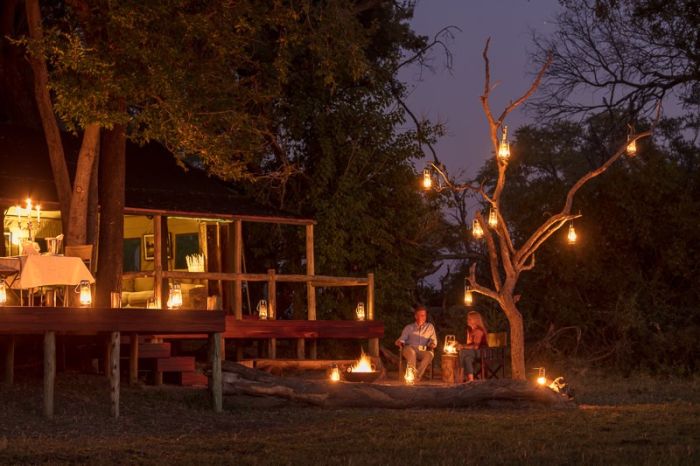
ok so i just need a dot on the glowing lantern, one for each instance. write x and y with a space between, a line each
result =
503 147
427 179
85 293
631 146
410 376
262 309
541 378
571 236
477 231
175 296
360 311
493 218
468 296
450 346
3 293
335 373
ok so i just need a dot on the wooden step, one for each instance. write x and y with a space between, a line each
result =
149 350
176 364
192 379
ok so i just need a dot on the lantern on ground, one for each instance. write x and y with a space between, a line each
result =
360 311
85 293
410 376
493 218
477 231
427 179
3 293
468 296
504 147
541 378
335 373
175 296
571 236
262 310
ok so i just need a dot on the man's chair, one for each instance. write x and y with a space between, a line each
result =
402 365
492 360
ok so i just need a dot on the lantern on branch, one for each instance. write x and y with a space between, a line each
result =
631 143
504 147
468 296
477 231
427 179
493 218
84 293
175 296
571 236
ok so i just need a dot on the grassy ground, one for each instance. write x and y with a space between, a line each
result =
620 421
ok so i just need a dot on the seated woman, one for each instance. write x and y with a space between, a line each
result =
476 339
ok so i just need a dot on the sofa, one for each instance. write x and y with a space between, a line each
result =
137 291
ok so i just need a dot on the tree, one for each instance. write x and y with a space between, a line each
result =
629 54
509 259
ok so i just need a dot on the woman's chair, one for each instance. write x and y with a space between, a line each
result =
492 360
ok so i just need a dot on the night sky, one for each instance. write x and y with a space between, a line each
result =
453 98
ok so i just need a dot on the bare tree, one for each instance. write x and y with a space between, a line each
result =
507 261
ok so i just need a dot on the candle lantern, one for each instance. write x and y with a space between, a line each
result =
410 376
262 310
571 236
477 231
427 179
175 296
493 218
503 147
3 293
541 377
85 293
450 346
360 311
631 146
335 373
468 296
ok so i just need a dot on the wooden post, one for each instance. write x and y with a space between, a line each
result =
204 248
158 261
373 342
272 310
10 361
49 372
237 268
133 358
227 260
310 289
215 381
114 382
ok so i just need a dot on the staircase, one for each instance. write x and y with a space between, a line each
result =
159 364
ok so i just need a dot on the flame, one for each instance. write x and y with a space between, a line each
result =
364 364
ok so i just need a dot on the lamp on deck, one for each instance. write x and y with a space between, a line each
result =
3 293
175 296
262 310
85 293
360 311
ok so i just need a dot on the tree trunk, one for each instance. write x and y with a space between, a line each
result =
112 170
48 119
93 203
517 339
77 220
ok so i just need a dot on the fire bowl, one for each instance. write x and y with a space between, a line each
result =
367 377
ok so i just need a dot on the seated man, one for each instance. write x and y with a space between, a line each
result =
417 341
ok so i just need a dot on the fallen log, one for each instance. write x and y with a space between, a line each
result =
240 380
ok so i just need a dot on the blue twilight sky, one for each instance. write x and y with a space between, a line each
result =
453 97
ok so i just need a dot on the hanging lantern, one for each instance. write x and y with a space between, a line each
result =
262 309
335 373
493 218
85 293
503 147
175 296
571 236
541 378
631 146
477 231
3 293
360 311
410 376
427 179
468 296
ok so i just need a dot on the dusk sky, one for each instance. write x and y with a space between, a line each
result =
453 97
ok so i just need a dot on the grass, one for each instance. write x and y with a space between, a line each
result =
638 420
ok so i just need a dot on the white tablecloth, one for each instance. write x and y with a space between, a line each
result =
36 271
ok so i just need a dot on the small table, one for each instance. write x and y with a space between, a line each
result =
449 363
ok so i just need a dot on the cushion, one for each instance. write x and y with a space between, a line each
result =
128 284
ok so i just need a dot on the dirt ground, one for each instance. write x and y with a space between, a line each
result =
619 421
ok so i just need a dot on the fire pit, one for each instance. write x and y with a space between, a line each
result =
362 371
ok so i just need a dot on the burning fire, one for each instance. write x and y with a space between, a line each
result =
364 364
